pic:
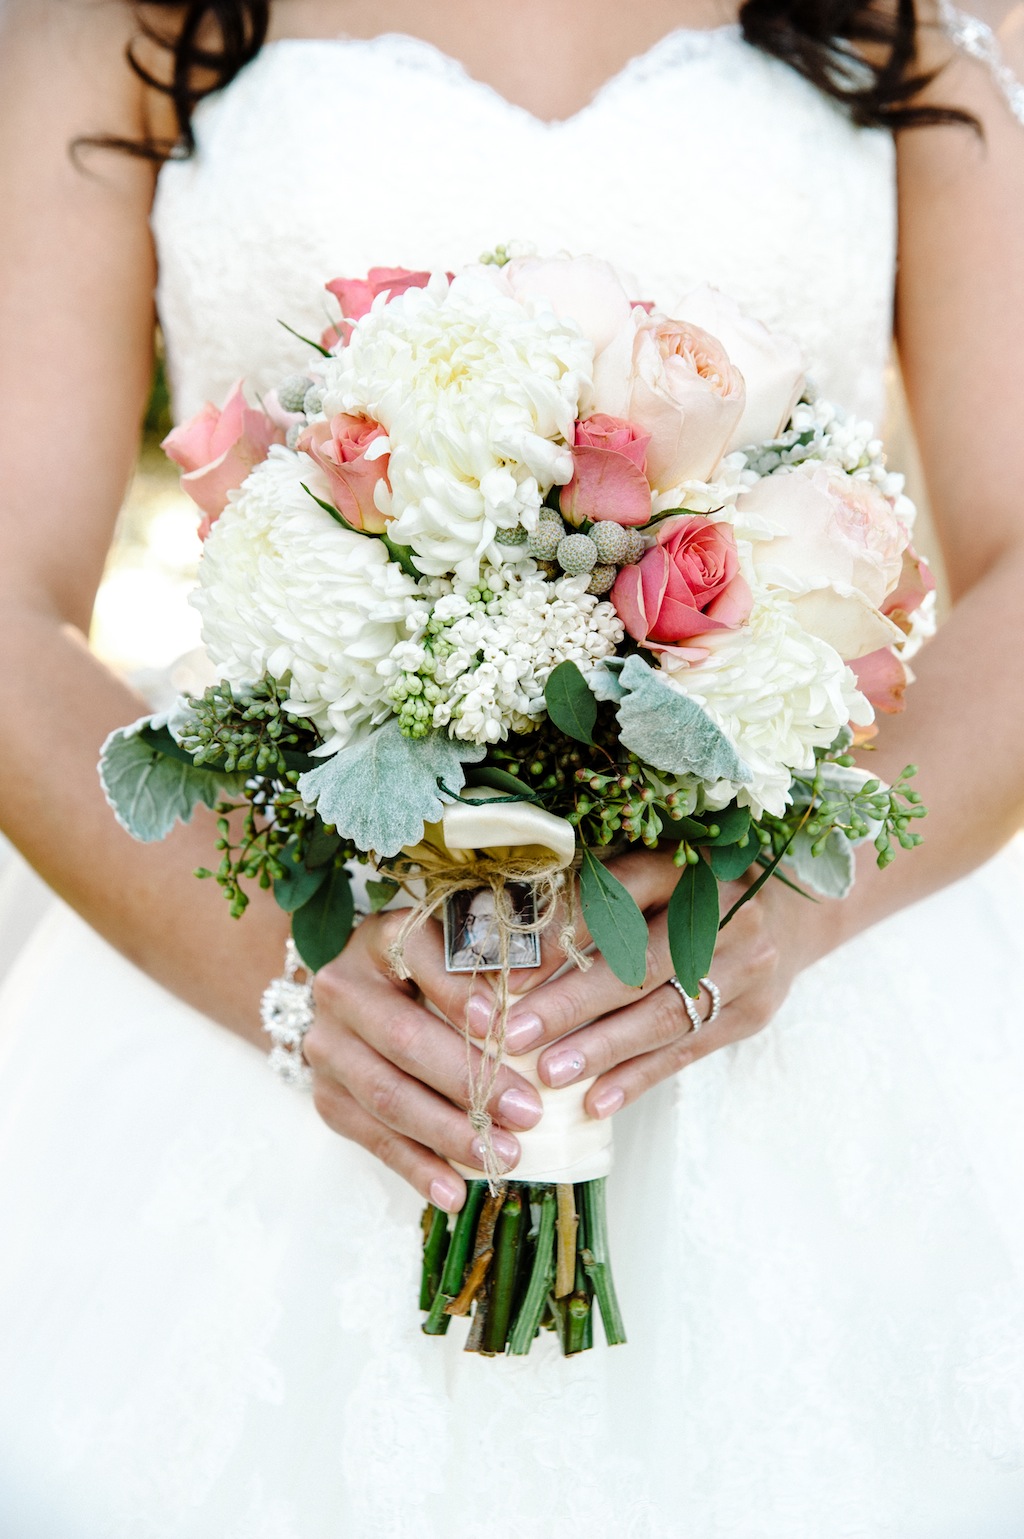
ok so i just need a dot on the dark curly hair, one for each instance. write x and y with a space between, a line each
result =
826 41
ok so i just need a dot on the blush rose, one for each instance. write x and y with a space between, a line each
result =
217 449
688 584
356 295
676 382
833 543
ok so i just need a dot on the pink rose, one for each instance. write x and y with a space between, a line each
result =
676 382
608 481
913 585
217 450
688 584
834 545
343 449
356 295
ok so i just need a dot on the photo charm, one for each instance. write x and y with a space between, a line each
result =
472 942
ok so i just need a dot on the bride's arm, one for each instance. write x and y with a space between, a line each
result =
76 325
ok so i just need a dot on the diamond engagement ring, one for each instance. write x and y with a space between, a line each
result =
690 1005
286 1011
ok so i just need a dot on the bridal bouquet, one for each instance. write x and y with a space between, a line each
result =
523 570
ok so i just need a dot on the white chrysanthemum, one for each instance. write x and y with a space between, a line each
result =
284 590
478 396
482 662
777 693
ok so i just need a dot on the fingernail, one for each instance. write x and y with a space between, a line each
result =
479 1011
520 1107
504 1145
563 1066
607 1101
523 1033
445 1193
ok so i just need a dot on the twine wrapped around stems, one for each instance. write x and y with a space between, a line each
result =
446 868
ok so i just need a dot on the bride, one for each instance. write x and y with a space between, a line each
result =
206 1279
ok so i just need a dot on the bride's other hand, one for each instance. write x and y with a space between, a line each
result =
629 1039
396 1078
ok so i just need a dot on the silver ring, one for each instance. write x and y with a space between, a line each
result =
690 1005
715 995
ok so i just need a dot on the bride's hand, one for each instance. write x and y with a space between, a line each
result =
394 1077
629 1038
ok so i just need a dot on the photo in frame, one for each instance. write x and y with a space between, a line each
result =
471 940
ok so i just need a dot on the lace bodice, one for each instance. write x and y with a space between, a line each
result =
703 160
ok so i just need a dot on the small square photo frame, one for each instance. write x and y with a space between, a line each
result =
470 935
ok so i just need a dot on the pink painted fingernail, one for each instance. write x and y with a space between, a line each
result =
504 1145
523 1032
563 1066
521 1108
479 1010
446 1193
607 1101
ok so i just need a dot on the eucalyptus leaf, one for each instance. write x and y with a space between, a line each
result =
380 791
571 706
323 351
401 555
830 874
321 928
693 925
380 893
299 882
328 507
670 731
149 791
616 924
730 861
733 825
495 779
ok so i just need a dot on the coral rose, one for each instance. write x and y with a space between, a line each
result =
676 382
217 450
689 584
344 450
608 480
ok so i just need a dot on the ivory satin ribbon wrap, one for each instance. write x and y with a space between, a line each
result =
566 1145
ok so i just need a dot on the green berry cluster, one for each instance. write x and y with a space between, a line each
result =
247 732
889 810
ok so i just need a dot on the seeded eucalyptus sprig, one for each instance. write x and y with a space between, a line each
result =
854 812
245 732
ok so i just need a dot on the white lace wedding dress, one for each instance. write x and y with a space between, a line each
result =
208 1300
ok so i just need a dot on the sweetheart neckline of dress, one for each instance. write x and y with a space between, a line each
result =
411 51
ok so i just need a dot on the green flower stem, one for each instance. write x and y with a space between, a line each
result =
435 1248
437 1322
541 1278
596 1261
578 1314
503 1276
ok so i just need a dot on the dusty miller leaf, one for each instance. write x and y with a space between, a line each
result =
670 731
149 791
830 874
380 792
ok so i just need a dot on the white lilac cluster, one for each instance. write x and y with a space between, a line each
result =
284 591
480 663
820 430
477 393
777 693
